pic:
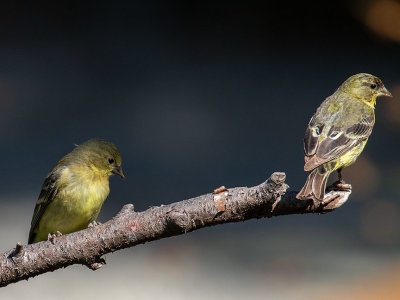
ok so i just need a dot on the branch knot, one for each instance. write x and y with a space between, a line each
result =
177 221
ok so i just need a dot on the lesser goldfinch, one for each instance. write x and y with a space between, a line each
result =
74 191
338 131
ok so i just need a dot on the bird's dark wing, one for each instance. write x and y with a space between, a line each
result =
47 195
337 142
311 137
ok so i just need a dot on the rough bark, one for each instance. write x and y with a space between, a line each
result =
129 228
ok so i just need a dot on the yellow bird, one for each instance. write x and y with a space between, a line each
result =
74 191
338 131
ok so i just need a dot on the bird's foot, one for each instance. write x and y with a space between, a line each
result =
339 185
93 224
328 199
52 236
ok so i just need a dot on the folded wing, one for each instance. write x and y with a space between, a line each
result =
319 150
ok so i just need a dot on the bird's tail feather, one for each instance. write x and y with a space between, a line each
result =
315 186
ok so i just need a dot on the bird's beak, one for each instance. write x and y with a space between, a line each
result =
118 170
384 92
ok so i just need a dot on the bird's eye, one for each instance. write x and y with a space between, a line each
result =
373 86
110 161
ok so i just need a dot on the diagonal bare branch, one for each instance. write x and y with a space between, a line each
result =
129 228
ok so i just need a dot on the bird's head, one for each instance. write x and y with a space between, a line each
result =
100 155
366 87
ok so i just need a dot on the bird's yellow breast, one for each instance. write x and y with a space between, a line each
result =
80 196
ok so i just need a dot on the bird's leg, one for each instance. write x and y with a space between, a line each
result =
339 171
341 184
93 224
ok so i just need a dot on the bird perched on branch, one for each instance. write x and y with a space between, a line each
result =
74 191
338 131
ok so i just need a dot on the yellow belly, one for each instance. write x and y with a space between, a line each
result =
74 207
350 157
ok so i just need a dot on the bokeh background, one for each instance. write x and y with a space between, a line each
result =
198 94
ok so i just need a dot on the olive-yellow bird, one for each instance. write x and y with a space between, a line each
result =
338 131
74 191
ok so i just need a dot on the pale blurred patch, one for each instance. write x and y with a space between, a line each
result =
382 285
380 222
382 17
392 108
15 218
364 177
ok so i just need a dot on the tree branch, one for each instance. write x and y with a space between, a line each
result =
129 228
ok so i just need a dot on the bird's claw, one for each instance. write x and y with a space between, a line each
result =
343 186
93 224
52 236
328 199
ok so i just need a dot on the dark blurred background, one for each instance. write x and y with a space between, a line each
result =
198 94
